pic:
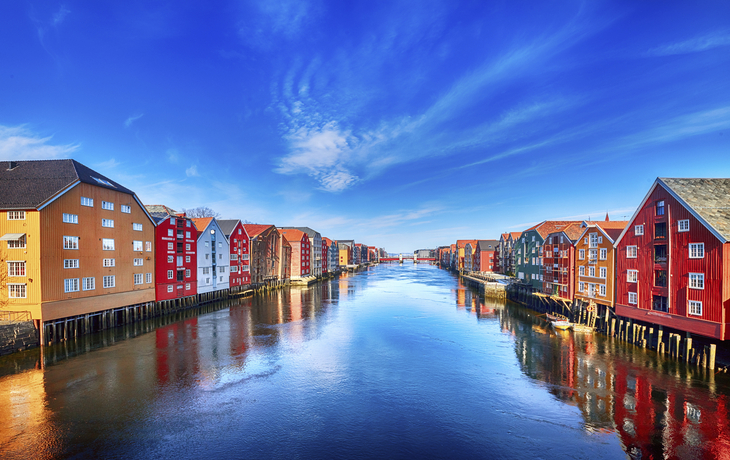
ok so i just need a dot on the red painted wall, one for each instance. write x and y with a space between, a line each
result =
163 252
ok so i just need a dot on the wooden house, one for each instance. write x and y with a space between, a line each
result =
558 261
315 251
673 258
285 259
595 260
301 249
238 239
214 256
461 253
485 256
72 242
528 251
264 244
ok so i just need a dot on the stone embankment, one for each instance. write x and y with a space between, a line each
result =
17 336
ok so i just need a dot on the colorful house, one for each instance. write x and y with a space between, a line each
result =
264 244
301 249
461 254
214 256
315 252
176 248
238 239
558 261
333 255
595 261
673 258
485 256
72 242
528 251
285 258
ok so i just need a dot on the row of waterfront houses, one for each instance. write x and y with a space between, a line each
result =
668 265
73 243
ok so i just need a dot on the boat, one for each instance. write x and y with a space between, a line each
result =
558 321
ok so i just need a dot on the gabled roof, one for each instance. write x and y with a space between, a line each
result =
547 227
611 229
463 243
160 211
292 234
504 236
201 223
255 229
515 235
327 241
310 232
487 245
227 225
32 184
573 231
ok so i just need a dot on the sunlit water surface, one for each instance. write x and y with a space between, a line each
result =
394 362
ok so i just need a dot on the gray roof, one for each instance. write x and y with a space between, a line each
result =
30 184
228 225
708 199
484 244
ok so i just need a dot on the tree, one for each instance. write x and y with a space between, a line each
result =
201 211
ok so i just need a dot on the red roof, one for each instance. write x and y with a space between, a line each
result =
463 243
550 226
202 223
255 229
613 228
515 235
292 234
327 240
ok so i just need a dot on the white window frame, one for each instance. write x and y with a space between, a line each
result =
126 209
16 215
581 254
581 286
633 298
88 283
15 268
694 307
71 242
170 274
17 291
138 278
138 262
638 230
71 285
170 246
602 290
696 281
602 272
631 252
136 227
86 201
108 223
137 246
148 278
148 246
109 262
582 270
70 218
108 205
697 250
603 254
592 272
170 288
109 281
70 263
17 244
683 225
632 276
107 244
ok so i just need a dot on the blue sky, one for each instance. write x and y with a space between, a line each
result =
398 124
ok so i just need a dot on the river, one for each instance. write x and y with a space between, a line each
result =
398 361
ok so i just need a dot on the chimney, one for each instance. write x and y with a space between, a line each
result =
12 165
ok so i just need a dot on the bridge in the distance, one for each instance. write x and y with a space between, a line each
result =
407 257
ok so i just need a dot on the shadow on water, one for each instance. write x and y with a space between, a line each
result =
659 407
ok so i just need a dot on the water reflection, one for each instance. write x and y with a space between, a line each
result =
658 407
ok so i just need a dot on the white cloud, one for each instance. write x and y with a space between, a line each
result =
128 122
172 155
693 45
106 165
192 171
19 143
60 15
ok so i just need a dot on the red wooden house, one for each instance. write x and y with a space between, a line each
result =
485 256
673 259
176 260
300 255
239 252
558 261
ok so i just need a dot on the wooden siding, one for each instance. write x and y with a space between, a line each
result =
163 252
609 264
31 254
90 253
679 265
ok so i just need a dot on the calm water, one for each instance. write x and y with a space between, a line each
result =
395 362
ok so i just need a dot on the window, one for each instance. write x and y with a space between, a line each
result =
207 256
88 284
70 218
206 270
660 278
170 247
659 303
138 278
632 276
103 181
582 271
581 286
592 254
187 234
138 262
187 247
220 256
107 244
179 261
16 268
16 291
684 227
220 278
604 253
71 285
137 246
109 223
137 227
71 263
187 259
70 242
220 245
207 244
602 272
660 253
126 209
87 201
695 308
170 259
697 280
170 232
592 272
638 230
169 288
660 208
148 246
180 275
17 244
187 273
633 298
148 278
594 240
170 274
107 205
602 290
581 254
172 221
187 286
696 250
222 269
660 230
109 262
631 252
234 269
110 281
16 215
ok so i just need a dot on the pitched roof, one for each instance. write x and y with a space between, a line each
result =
463 243
293 235
30 184
707 199
201 223
227 225
310 232
515 235
160 210
255 229
484 245
504 236
327 240
573 230
547 227
612 228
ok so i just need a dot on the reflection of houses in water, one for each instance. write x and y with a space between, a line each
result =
658 409
472 301
175 345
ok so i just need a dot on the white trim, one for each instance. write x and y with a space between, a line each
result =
58 195
693 212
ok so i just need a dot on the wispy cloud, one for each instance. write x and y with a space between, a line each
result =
263 21
692 45
172 155
60 15
107 165
192 171
20 143
128 122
